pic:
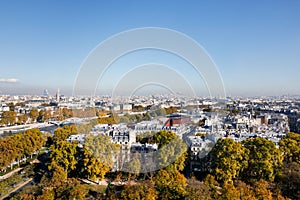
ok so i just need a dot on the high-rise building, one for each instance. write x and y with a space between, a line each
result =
57 95
45 93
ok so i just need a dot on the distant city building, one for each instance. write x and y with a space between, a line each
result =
57 95
45 93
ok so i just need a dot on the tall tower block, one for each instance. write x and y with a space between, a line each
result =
57 95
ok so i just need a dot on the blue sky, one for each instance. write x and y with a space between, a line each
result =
255 44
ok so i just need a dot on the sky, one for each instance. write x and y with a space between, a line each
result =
255 45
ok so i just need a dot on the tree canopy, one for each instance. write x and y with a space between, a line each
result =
229 159
265 160
290 146
99 155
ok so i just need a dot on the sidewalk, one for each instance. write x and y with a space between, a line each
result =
5 176
16 188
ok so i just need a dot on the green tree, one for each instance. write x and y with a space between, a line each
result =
290 146
172 156
134 166
63 156
163 138
229 158
161 112
138 118
147 137
265 160
147 116
61 134
99 155
172 150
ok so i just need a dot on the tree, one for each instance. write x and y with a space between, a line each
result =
63 156
162 138
172 156
229 192
245 191
44 115
289 180
67 189
99 155
143 190
34 113
28 193
138 118
112 119
202 122
19 145
133 166
147 116
138 108
11 106
161 112
261 190
171 110
23 118
47 194
95 169
61 134
71 189
147 137
8 117
170 185
229 158
7 152
265 160
66 113
211 182
290 146
197 190
59 174
172 151
34 141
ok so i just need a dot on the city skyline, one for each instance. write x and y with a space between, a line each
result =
254 44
